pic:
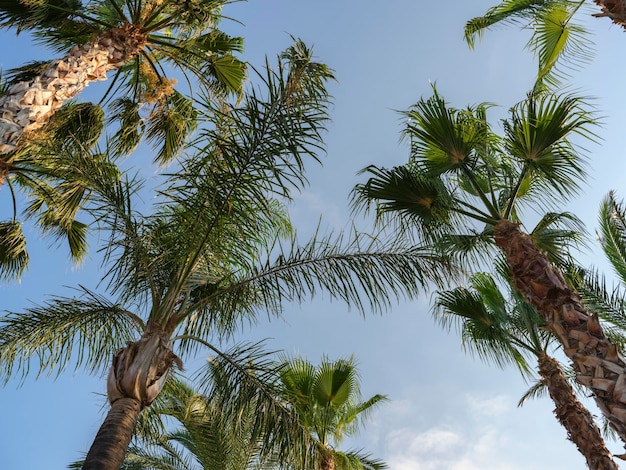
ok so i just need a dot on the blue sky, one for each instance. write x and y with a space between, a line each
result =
447 410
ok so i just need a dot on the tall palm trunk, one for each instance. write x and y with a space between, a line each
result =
29 104
614 9
135 380
597 362
574 417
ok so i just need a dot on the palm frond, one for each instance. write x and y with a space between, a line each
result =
613 234
357 460
508 11
243 382
537 134
86 330
13 254
364 272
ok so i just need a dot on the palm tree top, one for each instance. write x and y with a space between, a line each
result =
459 167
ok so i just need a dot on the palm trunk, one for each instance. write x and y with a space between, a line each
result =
574 417
328 462
614 9
135 380
596 360
28 105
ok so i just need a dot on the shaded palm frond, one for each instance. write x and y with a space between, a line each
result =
86 330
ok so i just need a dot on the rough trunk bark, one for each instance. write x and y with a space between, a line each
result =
614 9
116 432
328 462
574 417
28 105
136 378
597 362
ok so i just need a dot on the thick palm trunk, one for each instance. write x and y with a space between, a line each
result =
614 9
28 105
574 417
596 360
135 380
328 462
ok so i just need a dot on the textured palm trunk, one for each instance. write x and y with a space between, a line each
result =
328 462
596 360
614 9
135 379
574 417
28 105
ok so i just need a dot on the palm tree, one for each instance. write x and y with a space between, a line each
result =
205 437
507 332
211 256
461 173
132 38
327 400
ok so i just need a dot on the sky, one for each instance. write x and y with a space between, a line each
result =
447 410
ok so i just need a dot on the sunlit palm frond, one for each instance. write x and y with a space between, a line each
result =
559 43
86 330
508 11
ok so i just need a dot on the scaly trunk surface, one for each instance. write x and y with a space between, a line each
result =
574 417
596 360
614 9
328 462
28 105
135 379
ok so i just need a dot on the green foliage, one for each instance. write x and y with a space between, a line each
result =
558 41
460 171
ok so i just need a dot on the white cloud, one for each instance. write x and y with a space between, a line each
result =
437 449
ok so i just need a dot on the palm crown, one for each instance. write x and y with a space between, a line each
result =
460 173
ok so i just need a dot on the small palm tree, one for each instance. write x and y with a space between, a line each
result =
133 38
211 255
327 401
507 332
204 437
464 188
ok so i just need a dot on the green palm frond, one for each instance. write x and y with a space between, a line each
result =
169 125
364 272
27 14
243 383
537 390
13 254
443 138
357 460
508 11
608 302
558 40
537 134
613 234
86 330
556 233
